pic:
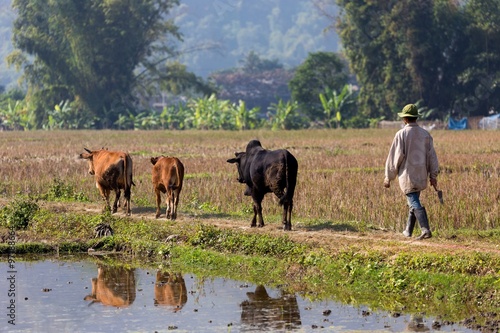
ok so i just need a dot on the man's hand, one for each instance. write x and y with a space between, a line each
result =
434 182
387 183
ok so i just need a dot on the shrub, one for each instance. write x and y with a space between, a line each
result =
20 213
59 191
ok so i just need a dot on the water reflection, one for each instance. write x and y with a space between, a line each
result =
50 298
113 286
263 312
416 324
170 290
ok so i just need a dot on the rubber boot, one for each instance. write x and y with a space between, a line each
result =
421 215
410 224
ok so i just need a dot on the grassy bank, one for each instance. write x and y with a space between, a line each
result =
454 285
345 244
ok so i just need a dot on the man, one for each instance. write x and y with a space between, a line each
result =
412 158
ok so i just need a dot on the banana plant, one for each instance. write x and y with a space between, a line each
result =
242 117
15 117
210 113
280 114
334 103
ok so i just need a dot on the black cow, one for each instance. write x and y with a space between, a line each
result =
265 171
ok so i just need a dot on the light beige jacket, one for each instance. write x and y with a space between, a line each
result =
412 158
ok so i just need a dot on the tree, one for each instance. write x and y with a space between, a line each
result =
254 64
88 51
480 75
442 52
321 70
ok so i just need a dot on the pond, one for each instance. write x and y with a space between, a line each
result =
57 295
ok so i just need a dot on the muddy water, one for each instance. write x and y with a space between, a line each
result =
82 296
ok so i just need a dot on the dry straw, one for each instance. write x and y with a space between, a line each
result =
340 172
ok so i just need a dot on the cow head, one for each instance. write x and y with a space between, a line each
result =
155 159
88 156
240 161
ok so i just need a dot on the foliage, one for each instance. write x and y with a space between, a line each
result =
17 116
336 104
321 70
243 117
255 64
284 115
210 237
436 50
96 70
19 213
65 116
60 191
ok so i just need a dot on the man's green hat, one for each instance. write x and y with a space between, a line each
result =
410 111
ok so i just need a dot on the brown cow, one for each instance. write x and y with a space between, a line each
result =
114 286
170 290
112 171
168 174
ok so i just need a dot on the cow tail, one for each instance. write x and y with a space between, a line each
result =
176 185
125 174
284 197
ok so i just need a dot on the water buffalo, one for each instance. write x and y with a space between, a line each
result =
262 312
265 171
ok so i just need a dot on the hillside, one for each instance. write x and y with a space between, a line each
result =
286 30
7 16
218 34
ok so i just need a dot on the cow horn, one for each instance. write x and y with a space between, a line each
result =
88 151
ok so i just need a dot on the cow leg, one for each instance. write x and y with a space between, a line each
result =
254 219
105 197
287 216
117 200
169 204
175 202
158 203
126 193
257 210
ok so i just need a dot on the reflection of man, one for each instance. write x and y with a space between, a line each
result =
170 290
261 311
412 158
114 286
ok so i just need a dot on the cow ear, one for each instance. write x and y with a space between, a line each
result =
85 156
154 160
232 160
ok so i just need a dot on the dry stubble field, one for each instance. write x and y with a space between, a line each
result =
340 199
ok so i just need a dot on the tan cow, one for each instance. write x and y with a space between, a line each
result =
114 286
167 176
170 290
112 171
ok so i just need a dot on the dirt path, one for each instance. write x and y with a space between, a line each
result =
328 239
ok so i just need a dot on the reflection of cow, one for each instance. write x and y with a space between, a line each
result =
113 286
262 312
265 171
170 290
113 172
167 176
